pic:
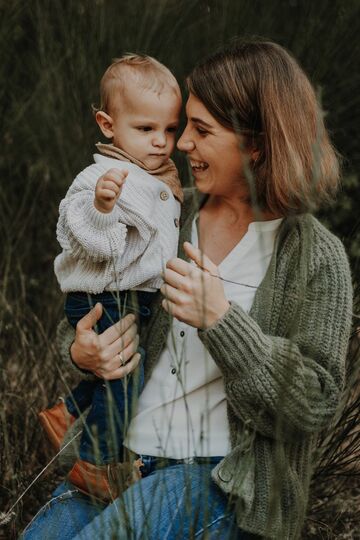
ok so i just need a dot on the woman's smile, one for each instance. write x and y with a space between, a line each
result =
198 166
214 152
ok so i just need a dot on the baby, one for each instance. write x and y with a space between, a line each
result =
118 225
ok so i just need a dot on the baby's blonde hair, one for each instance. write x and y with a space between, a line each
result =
147 72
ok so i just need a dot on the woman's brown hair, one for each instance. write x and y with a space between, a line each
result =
257 89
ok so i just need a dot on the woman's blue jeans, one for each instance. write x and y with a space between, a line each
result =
179 502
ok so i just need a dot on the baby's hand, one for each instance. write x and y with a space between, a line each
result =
108 189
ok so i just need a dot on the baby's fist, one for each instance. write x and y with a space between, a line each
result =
108 189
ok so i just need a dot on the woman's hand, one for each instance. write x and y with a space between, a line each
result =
192 293
110 355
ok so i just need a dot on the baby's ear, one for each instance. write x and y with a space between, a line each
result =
105 123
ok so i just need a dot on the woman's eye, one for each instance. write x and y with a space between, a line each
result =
201 131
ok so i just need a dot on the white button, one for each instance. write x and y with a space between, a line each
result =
164 195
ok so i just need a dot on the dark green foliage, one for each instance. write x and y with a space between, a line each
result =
52 56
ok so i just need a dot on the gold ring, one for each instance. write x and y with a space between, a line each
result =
121 358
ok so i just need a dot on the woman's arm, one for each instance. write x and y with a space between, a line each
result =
110 355
275 384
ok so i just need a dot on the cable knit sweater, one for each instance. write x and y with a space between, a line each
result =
121 250
283 369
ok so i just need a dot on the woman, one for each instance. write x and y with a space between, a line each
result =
251 367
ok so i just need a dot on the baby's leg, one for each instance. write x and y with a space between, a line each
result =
77 305
108 419
57 419
100 442
80 397
110 412
113 401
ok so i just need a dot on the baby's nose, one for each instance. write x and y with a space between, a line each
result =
159 140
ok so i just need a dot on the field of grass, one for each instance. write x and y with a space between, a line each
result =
52 56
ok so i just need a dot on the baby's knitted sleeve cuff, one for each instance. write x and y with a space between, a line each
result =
100 220
93 234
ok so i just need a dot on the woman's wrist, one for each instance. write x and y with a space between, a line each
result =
74 363
218 314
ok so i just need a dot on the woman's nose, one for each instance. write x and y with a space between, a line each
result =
185 144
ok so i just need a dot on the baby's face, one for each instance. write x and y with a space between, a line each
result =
145 124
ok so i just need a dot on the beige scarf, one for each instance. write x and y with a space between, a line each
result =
167 173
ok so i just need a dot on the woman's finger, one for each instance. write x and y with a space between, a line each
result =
129 351
122 342
117 330
173 278
120 372
179 266
172 294
119 358
125 350
199 258
170 308
90 319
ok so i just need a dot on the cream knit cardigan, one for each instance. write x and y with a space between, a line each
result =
124 249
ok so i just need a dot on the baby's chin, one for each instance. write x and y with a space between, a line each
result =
154 162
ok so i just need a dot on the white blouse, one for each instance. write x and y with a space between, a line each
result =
182 409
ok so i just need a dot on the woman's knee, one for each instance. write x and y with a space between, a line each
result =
63 516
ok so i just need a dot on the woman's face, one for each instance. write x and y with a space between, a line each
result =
214 152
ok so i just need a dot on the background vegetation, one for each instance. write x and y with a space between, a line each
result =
52 56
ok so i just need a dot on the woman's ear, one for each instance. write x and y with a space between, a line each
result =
105 123
254 155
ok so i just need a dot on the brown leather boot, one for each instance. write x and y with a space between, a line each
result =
56 421
104 482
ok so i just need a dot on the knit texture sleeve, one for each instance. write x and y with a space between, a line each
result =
65 336
88 233
281 385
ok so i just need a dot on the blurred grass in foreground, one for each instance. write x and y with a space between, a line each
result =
52 56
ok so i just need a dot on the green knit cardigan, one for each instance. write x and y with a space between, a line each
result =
283 370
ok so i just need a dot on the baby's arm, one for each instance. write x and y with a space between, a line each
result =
89 224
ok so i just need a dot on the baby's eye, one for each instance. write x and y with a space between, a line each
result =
144 128
172 129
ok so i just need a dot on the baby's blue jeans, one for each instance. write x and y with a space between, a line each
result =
111 402
177 502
